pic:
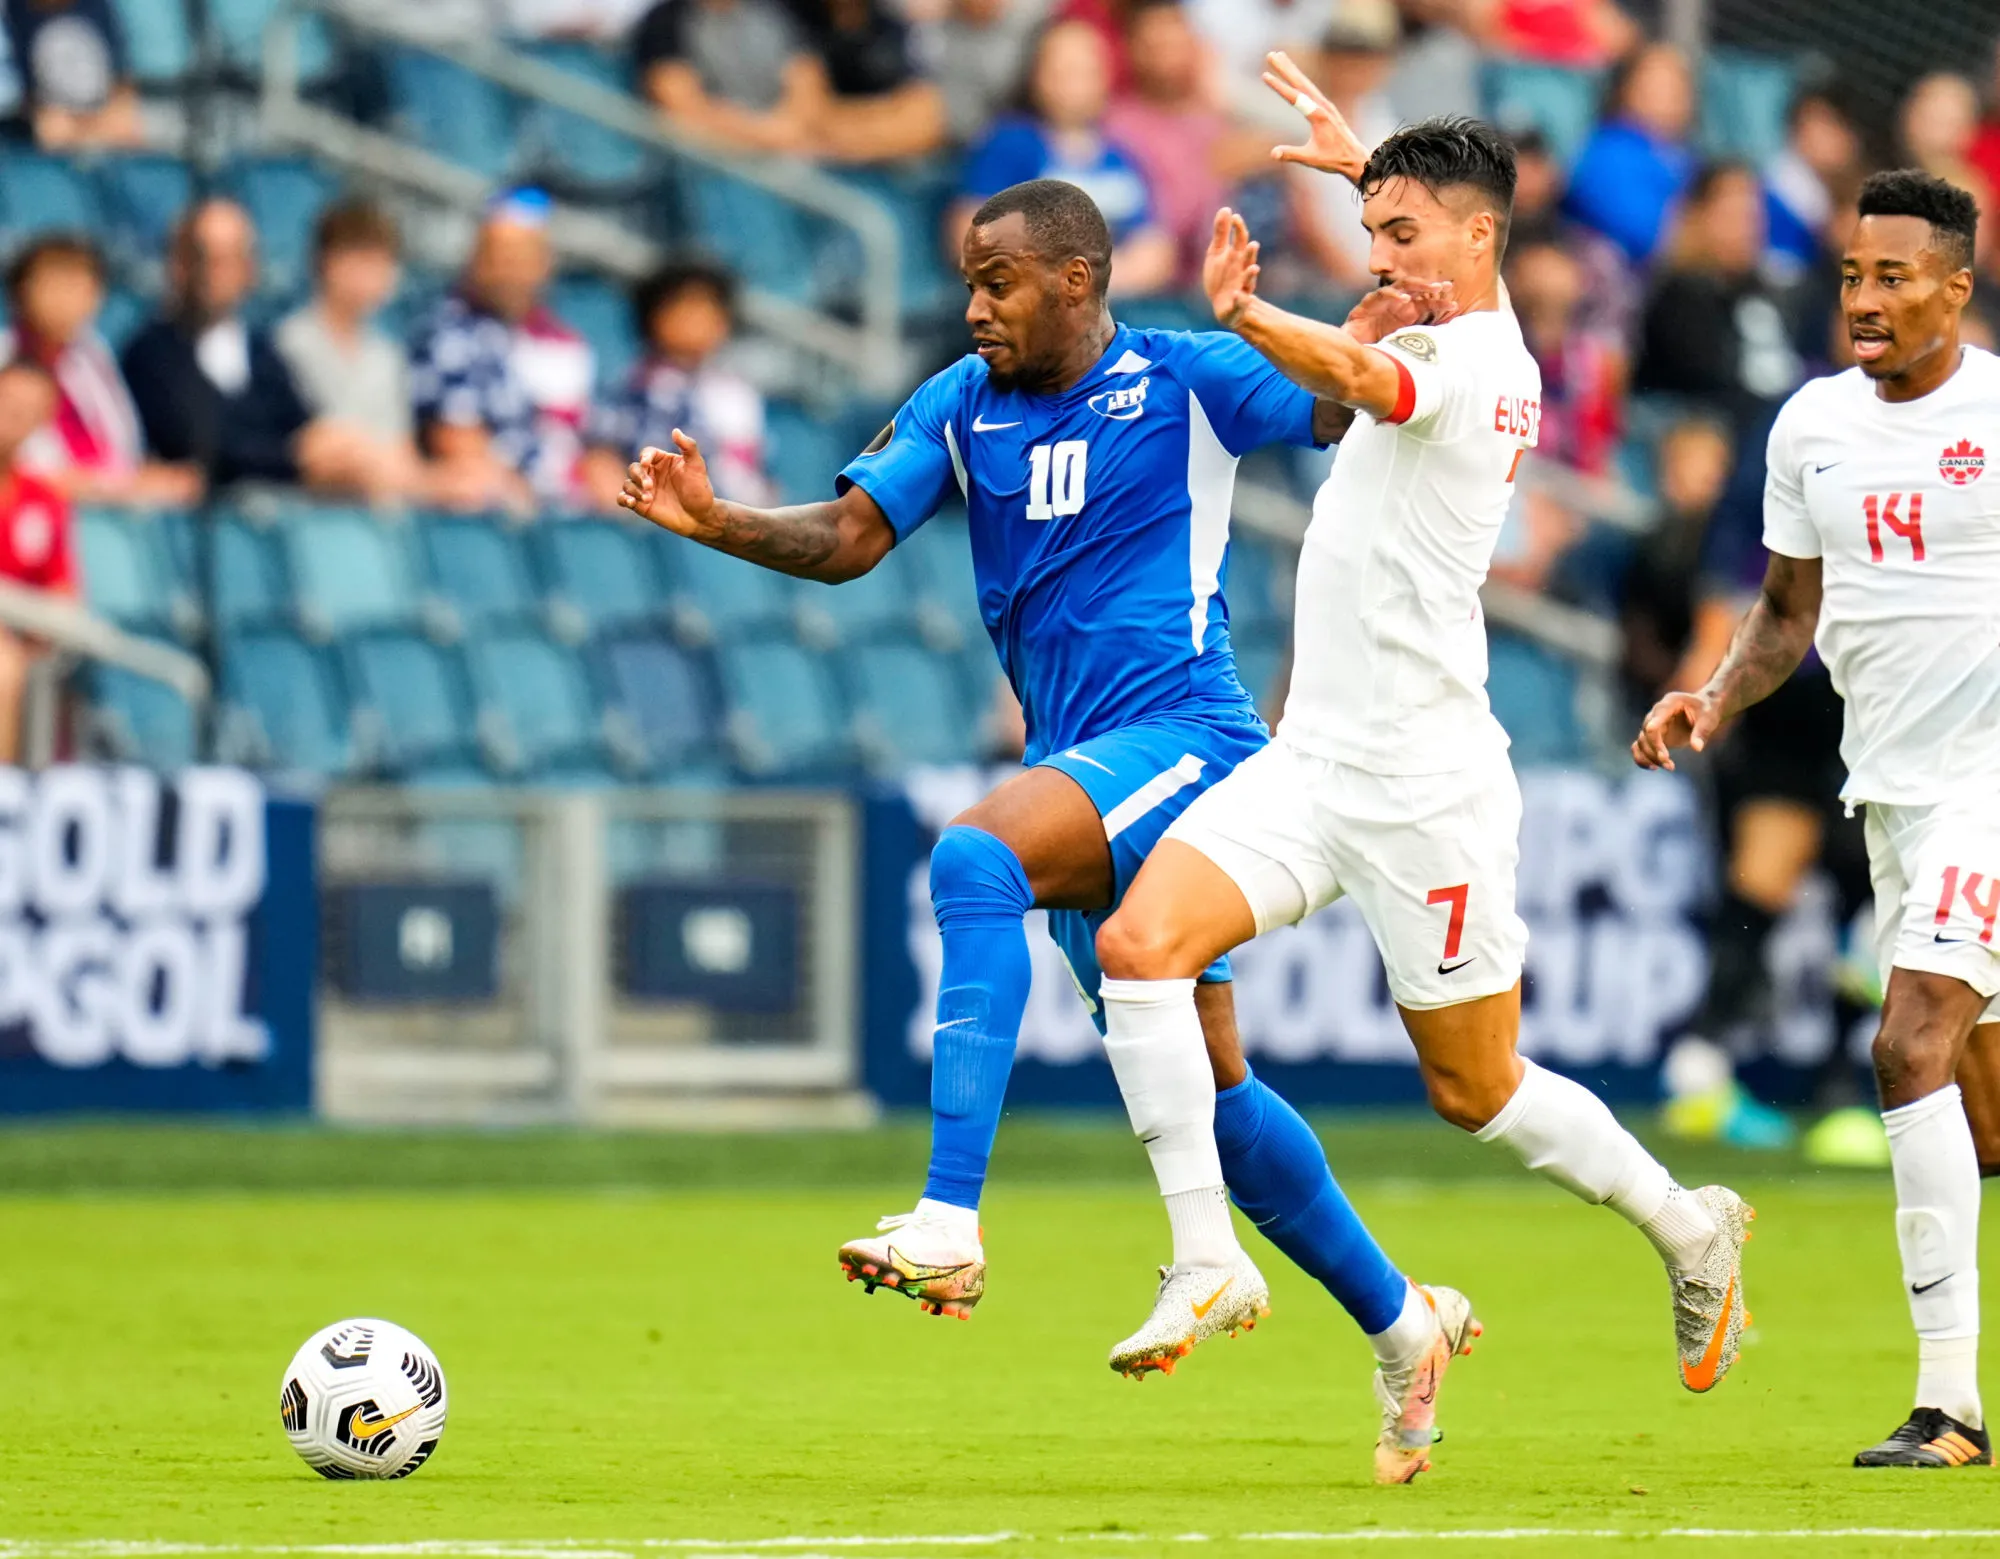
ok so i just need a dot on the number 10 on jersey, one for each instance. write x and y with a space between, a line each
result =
1055 478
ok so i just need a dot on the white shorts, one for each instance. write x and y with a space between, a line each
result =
1936 871
1428 859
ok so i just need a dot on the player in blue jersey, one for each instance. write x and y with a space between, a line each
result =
1097 463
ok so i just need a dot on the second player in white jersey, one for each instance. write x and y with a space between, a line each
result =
1389 671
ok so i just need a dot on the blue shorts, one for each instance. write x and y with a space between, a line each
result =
1141 778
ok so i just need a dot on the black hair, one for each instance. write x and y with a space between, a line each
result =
47 247
1450 152
1710 175
1910 192
1063 223
676 277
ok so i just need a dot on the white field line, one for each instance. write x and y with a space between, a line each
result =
824 1547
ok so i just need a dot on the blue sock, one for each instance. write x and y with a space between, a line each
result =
1278 1174
980 894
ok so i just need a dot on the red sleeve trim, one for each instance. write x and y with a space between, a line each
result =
1406 391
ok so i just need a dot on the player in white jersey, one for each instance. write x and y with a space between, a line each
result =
1883 525
1388 778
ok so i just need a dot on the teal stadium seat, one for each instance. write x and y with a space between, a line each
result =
285 688
479 566
1533 693
881 604
42 194
350 572
806 452
127 573
240 26
1258 585
539 695
578 154
452 112
602 315
1559 102
284 196
157 39
910 706
667 696
143 721
1745 100
143 195
603 571
412 698
785 717
723 600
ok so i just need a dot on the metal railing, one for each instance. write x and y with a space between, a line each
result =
871 351
75 634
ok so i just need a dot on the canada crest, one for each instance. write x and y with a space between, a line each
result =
1962 463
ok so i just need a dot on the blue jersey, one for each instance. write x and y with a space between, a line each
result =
1099 520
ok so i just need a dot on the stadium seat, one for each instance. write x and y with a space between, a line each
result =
805 452
240 26
909 706
916 197
285 689
350 572
40 193
479 566
1533 693
940 555
143 721
1258 585
719 599
451 112
250 588
537 712
784 717
284 197
1559 102
602 315
573 152
144 194
1745 100
602 571
881 604
120 318
127 575
666 696
410 699
760 237
156 38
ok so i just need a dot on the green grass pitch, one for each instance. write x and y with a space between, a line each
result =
650 1352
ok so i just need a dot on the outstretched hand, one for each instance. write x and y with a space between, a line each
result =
1677 720
671 488
1331 145
1229 272
1387 310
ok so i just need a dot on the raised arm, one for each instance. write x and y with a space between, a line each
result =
1322 358
830 542
1769 644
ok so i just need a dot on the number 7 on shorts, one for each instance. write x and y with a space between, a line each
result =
1455 928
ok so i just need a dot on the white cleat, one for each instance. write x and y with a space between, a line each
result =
1408 1394
923 1257
1709 1316
1195 1304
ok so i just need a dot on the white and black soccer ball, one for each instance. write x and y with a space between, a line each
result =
363 1399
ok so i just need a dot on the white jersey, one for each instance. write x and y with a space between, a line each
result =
1389 659
1898 501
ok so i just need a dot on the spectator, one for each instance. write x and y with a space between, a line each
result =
1583 375
1576 34
1662 583
35 545
1608 305
1716 330
1352 63
738 73
1239 33
75 78
1439 64
92 447
1111 21
1061 136
1804 182
348 370
686 314
1192 156
1985 153
213 392
1637 161
876 106
977 51
501 386
1939 127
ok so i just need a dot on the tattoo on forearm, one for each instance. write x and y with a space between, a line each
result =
1766 649
792 541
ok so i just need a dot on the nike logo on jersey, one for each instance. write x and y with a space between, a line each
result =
1454 968
1925 1288
1949 941
1079 757
981 425
1828 466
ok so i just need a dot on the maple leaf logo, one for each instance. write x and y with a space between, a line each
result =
1962 462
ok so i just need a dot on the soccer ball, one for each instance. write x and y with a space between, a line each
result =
363 1399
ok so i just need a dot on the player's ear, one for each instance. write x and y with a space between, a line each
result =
1958 288
1078 280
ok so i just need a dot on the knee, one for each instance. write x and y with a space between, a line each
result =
971 867
1136 945
1911 1059
1465 1099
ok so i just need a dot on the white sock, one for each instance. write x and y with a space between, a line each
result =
1937 1229
1153 1038
1565 1133
962 1222
1409 1334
